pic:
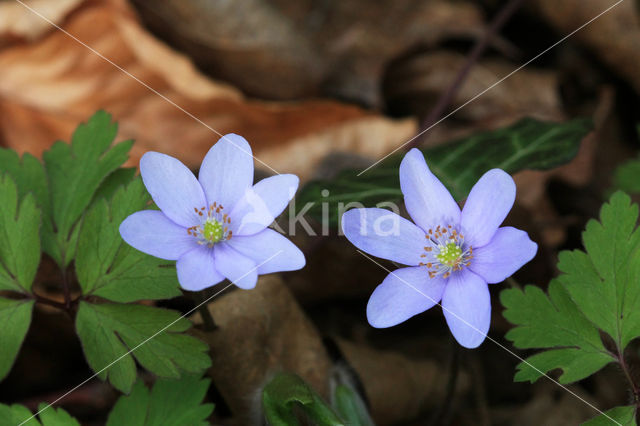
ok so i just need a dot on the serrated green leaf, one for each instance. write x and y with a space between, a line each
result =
623 415
170 402
75 173
20 237
29 175
605 282
552 321
108 267
285 392
116 180
15 317
12 415
528 144
109 331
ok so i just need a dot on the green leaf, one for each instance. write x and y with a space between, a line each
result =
107 266
597 292
286 391
29 175
627 177
19 236
75 172
528 144
351 407
555 322
15 317
170 402
121 177
16 414
155 337
605 281
623 415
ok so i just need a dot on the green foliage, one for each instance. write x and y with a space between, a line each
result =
627 177
597 293
350 406
286 391
74 173
623 415
528 144
15 317
16 414
170 402
108 267
19 234
153 335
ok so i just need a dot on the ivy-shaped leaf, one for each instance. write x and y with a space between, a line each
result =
109 331
75 171
527 144
108 267
19 238
17 414
15 317
170 402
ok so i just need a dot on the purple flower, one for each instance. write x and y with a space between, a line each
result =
214 226
451 254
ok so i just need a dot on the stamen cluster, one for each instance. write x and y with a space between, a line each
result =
445 251
215 226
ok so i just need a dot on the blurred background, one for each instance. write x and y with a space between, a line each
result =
316 85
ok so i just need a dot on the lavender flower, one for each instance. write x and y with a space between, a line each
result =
214 226
451 254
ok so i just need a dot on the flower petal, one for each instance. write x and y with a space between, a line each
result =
427 200
236 267
270 250
508 251
260 205
466 304
196 269
488 204
173 187
227 171
384 234
403 293
151 232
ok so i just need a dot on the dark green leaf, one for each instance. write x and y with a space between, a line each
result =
15 317
555 322
108 267
627 177
75 172
351 407
19 237
121 177
109 331
16 414
286 391
623 415
528 144
170 402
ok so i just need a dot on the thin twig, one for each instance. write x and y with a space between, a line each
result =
208 323
478 49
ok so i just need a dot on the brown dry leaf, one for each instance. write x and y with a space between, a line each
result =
17 23
333 47
414 85
262 332
614 36
47 87
399 388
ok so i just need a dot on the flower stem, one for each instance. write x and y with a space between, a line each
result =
627 373
207 320
478 49
454 369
